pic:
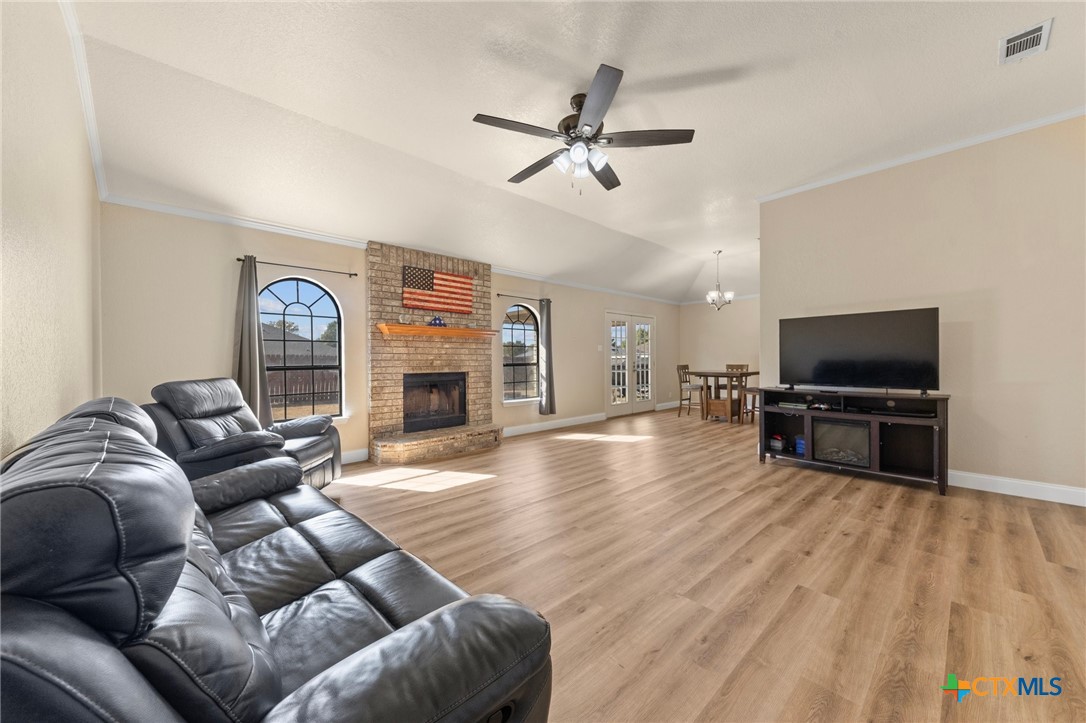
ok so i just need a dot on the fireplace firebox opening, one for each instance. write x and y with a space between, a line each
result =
433 401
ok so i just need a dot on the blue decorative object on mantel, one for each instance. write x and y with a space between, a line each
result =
437 321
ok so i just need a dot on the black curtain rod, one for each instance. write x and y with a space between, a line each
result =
513 296
348 274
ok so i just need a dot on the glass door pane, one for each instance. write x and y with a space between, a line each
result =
643 360
619 352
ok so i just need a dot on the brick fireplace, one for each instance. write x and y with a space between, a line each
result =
396 360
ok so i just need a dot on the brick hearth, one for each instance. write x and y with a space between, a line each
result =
390 357
435 444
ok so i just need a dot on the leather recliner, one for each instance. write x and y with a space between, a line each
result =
206 426
123 600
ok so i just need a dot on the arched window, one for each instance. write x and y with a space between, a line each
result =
520 353
300 322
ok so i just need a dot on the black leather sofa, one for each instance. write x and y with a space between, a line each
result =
206 427
263 601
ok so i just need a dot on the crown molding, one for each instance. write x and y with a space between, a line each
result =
239 221
930 153
86 98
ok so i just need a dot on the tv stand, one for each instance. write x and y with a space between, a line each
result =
895 435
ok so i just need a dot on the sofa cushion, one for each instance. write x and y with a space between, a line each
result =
119 411
249 521
254 481
112 409
306 563
96 522
206 430
402 587
233 445
309 451
310 426
299 630
207 652
277 569
56 669
208 409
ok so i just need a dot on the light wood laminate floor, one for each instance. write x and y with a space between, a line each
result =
685 581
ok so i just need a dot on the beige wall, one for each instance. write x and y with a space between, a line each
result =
709 339
994 235
578 332
169 292
50 228
169 286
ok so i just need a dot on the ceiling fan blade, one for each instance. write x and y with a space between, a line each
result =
511 125
629 139
536 167
606 177
598 100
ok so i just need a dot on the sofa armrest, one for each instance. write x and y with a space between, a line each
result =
248 482
310 426
234 444
464 661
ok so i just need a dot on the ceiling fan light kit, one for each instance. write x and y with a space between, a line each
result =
583 131
597 158
563 162
717 298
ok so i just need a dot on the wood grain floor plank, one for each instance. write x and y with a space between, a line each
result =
761 683
811 703
685 581
1063 543
846 660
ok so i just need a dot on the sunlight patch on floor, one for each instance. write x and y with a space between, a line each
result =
582 437
438 481
414 480
384 476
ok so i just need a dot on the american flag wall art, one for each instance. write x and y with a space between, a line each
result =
436 290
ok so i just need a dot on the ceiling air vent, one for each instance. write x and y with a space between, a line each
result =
1026 43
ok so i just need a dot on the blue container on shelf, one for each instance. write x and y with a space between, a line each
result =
801 444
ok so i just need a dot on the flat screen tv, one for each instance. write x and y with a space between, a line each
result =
891 349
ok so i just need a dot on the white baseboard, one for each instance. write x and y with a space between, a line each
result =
553 424
355 455
1063 494
666 405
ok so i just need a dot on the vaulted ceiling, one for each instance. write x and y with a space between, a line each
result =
355 120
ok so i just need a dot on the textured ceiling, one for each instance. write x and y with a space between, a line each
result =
354 120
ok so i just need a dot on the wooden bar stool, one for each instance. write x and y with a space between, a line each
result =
688 388
750 403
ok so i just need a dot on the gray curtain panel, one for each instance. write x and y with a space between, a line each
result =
250 369
546 359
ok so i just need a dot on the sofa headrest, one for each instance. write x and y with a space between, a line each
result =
199 398
118 410
95 521
208 409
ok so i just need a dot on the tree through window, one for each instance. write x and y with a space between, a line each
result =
520 353
300 322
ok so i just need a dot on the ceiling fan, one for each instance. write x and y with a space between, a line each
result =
582 132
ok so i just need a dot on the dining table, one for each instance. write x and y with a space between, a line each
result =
712 405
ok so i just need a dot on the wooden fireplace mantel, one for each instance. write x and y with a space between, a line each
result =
426 330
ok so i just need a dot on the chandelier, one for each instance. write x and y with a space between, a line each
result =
716 297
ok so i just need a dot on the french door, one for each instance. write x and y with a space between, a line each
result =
630 364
